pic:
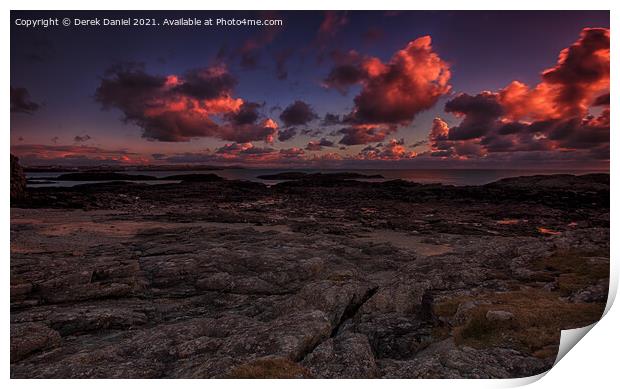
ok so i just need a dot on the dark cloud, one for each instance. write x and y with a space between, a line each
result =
21 103
298 113
393 150
247 114
243 148
480 114
178 108
602 100
331 119
206 83
348 70
364 135
313 132
316 145
287 134
81 138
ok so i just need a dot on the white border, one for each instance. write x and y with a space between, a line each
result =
593 363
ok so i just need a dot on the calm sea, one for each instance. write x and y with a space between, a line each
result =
457 177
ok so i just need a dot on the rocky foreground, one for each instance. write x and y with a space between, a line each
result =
326 278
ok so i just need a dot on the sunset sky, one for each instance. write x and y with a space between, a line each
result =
328 89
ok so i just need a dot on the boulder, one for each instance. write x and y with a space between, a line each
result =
499 315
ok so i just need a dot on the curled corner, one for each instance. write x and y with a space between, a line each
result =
569 338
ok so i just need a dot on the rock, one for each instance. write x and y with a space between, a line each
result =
269 368
446 360
499 315
27 338
338 279
346 356
18 180
592 293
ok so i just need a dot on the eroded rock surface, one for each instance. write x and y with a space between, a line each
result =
338 279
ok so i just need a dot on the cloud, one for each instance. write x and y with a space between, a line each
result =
553 117
247 114
348 70
298 113
81 138
312 132
392 150
317 145
568 88
332 23
294 153
419 143
243 148
249 52
21 103
287 134
392 93
72 155
331 119
480 113
179 108
602 100
359 135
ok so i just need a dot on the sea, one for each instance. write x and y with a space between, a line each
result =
457 177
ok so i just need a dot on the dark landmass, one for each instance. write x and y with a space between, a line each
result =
18 180
316 176
306 278
193 177
103 176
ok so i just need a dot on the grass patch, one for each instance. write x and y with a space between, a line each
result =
573 270
269 368
449 306
539 316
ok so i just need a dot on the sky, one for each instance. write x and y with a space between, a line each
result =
363 89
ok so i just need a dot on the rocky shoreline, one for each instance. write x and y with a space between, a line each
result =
313 277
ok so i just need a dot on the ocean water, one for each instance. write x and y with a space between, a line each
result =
458 177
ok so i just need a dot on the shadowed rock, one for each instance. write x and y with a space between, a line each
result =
18 180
